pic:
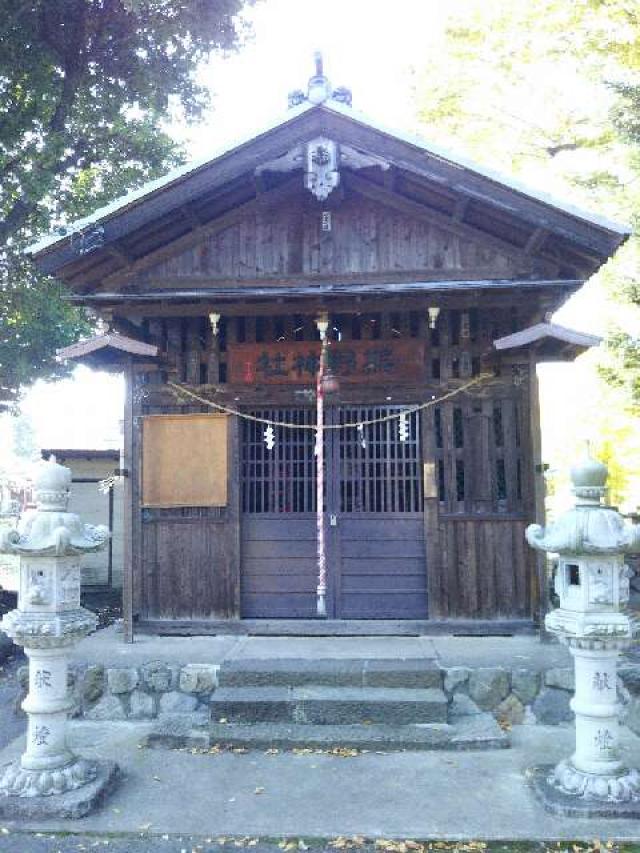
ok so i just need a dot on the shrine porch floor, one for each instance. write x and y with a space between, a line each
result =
107 647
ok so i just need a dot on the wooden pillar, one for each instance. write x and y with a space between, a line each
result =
194 347
436 588
127 579
540 603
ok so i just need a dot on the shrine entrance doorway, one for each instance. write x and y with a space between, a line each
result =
373 515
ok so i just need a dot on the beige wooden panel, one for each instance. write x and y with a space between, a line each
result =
184 460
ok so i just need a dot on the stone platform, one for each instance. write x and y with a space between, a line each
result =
515 679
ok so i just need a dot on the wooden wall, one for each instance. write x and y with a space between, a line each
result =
366 237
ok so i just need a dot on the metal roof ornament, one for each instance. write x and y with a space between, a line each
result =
319 88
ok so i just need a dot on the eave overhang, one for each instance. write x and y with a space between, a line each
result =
476 196
547 342
110 351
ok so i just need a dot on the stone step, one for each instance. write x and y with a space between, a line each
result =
297 672
478 732
319 704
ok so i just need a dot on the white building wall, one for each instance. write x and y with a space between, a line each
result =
92 506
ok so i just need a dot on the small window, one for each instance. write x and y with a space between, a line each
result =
574 574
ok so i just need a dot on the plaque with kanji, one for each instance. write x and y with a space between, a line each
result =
376 362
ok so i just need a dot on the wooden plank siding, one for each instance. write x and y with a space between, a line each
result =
366 237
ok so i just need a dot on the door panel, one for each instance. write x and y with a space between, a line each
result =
279 572
375 550
380 528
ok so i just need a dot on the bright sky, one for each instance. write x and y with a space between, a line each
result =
369 47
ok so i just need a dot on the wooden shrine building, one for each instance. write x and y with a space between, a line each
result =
434 276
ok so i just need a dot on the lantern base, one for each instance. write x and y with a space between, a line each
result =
71 792
565 791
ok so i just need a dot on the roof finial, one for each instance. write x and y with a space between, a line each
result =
319 88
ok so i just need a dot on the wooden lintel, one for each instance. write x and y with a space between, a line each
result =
339 305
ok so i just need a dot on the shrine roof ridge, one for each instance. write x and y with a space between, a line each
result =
447 157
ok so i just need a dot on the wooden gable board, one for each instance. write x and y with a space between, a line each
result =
365 238
126 217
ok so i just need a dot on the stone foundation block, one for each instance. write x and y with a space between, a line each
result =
108 708
142 706
488 687
122 680
510 712
631 715
198 678
563 678
456 679
630 675
159 677
552 706
72 804
93 683
525 684
177 703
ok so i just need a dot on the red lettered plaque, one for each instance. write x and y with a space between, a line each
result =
296 362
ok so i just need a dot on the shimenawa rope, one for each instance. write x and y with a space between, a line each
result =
182 389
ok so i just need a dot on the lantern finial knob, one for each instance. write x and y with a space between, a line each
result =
51 485
589 479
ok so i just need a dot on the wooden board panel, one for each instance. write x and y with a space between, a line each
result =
487 567
367 236
184 460
279 566
296 362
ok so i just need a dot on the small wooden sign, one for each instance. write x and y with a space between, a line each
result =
184 460
296 362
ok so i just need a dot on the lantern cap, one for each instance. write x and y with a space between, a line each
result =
589 527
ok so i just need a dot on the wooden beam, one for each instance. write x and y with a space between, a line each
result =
460 208
129 509
207 281
536 240
118 252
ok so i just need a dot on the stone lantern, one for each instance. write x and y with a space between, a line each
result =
49 779
592 582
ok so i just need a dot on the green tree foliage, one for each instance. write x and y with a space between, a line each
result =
551 90
86 90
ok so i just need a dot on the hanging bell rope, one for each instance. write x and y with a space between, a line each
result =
185 391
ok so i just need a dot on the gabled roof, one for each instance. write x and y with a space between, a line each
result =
209 187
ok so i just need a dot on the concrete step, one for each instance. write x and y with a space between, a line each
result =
319 704
479 732
336 672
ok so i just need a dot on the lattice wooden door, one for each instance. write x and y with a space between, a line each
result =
373 503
